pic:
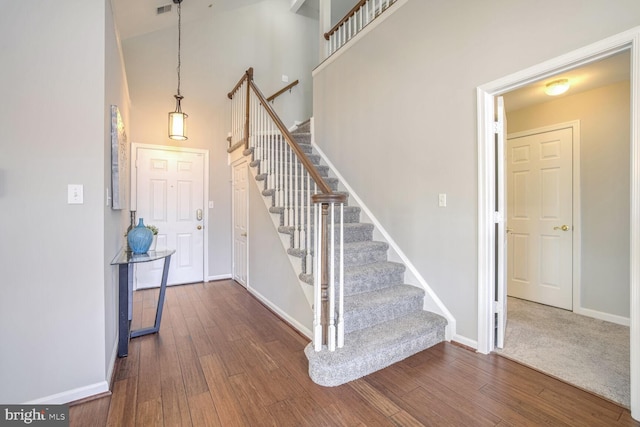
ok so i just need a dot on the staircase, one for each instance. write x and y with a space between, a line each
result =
384 319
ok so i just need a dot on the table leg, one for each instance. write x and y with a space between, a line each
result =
123 309
163 288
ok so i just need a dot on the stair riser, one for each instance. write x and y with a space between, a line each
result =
351 215
371 280
331 182
356 320
351 234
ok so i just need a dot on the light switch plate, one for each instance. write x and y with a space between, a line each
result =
75 194
442 200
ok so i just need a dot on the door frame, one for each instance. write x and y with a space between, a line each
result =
576 237
233 219
628 40
134 187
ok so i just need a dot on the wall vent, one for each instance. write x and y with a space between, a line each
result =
163 9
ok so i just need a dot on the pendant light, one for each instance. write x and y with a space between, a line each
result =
178 119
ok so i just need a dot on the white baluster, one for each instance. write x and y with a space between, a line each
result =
332 278
317 287
341 282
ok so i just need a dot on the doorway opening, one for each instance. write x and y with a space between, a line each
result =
491 226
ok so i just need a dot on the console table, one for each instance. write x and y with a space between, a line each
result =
125 260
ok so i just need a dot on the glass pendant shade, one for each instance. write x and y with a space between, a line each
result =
178 123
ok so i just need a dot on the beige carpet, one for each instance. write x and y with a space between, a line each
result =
589 353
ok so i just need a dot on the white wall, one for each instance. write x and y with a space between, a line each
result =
605 177
396 114
271 276
216 51
52 254
115 221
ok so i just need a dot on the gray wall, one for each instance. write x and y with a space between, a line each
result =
216 51
396 114
56 335
605 187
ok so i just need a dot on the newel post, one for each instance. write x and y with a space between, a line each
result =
249 75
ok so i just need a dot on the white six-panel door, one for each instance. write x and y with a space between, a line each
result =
170 195
240 228
540 226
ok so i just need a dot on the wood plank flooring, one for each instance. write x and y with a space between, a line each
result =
222 359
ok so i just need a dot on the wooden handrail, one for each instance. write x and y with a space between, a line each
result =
248 75
283 90
313 172
349 14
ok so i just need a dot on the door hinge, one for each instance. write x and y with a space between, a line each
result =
497 217
497 127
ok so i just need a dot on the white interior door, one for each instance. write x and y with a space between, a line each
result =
170 195
540 212
240 228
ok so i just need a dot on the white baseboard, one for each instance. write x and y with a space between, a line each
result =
624 321
293 322
465 341
112 360
219 277
72 395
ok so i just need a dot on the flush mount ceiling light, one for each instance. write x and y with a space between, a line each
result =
178 119
557 87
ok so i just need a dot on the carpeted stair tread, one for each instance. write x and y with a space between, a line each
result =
371 308
374 348
351 213
353 231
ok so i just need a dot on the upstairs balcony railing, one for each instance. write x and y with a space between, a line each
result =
311 210
354 21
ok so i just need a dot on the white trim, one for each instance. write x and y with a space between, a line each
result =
627 40
412 275
72 395
352 42
112 360
465 341
576 243
219 277
607 317
205 190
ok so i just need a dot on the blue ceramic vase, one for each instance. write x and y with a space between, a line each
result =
139 238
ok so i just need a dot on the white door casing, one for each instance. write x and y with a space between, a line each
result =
540 217
501 209
240 222
170 194
628 40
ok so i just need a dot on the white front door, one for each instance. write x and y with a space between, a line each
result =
540 217
170 195
240 229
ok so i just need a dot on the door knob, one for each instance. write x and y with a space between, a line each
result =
199 227
563 228
243 234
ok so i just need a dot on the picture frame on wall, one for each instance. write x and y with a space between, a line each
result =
119 160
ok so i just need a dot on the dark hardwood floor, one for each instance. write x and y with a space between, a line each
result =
223 359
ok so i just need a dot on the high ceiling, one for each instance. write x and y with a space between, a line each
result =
137 17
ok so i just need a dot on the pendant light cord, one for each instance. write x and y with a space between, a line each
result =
179 41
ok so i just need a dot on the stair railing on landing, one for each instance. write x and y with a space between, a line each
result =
354 21
297 186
